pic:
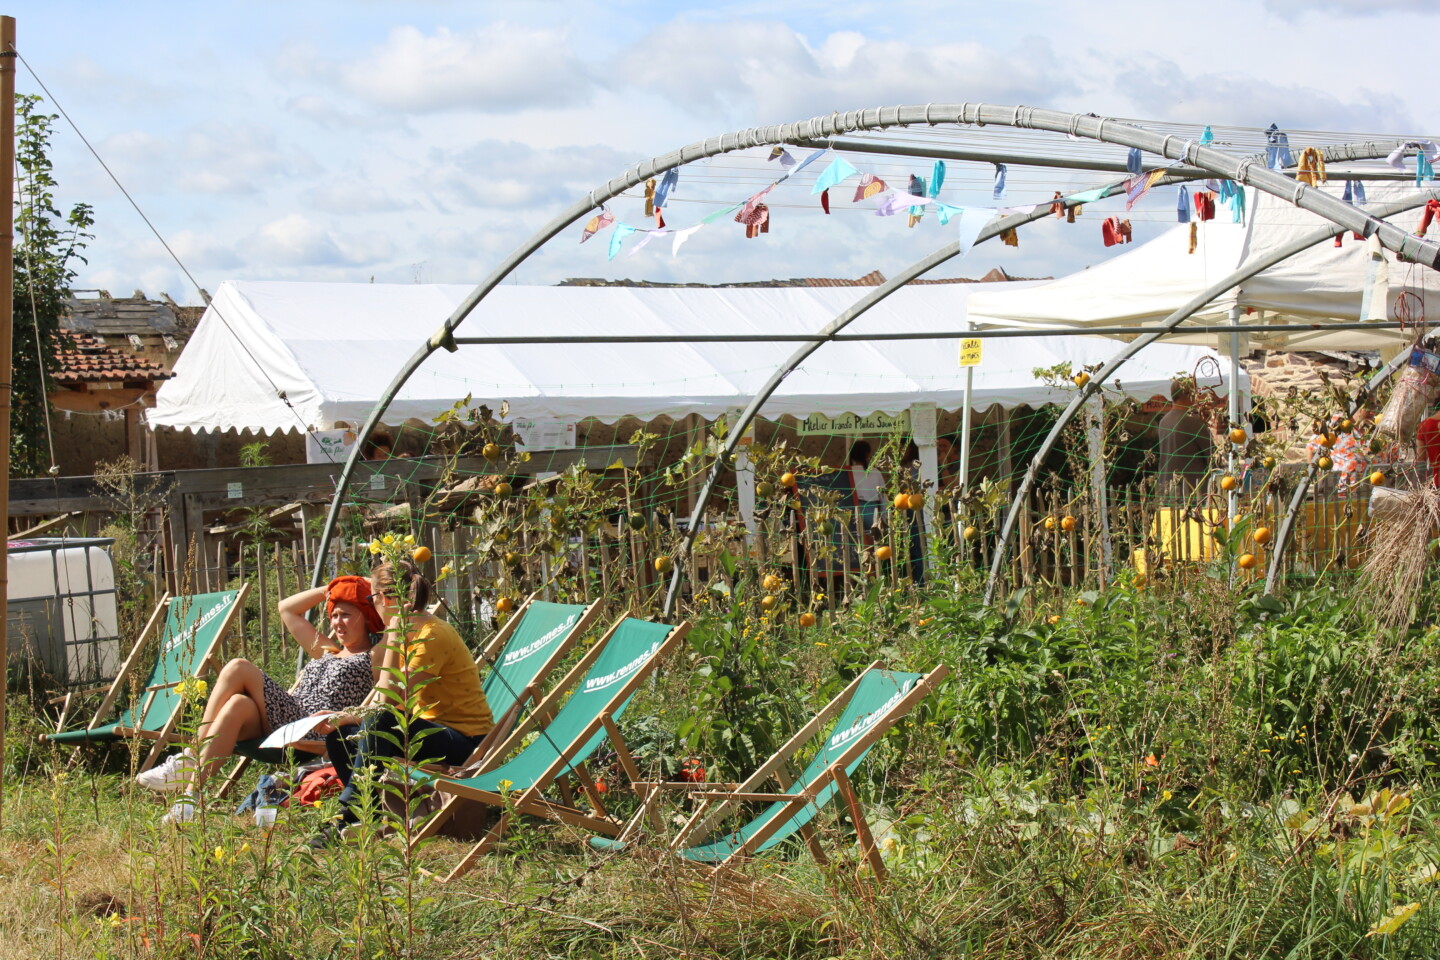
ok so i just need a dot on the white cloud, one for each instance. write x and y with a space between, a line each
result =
1291 9
297 241
1160 88
765 72
211 158
499 68
494 173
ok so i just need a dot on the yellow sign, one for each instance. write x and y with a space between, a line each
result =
970 350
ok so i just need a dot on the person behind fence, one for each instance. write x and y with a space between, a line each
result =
247 703
1185 442
435 690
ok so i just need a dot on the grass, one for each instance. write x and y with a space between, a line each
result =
1196 772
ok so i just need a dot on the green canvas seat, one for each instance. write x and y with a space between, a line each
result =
604 681
873 703
190 630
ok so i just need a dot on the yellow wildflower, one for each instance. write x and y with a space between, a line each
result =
219 853
388 540
192 688
245 847
410 539
505 785
374 546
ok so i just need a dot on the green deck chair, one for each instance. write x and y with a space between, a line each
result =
873 703
519 659
194 627
613 670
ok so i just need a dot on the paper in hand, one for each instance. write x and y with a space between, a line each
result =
294 731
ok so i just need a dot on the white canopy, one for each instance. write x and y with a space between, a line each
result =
271 356
1142 286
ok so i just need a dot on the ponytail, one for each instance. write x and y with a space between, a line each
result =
392 572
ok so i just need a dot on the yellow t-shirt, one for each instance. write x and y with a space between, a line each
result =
453 697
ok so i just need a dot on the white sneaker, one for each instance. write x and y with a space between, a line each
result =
181 811
174 774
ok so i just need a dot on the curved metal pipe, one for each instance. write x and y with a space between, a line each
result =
1320 235
823 128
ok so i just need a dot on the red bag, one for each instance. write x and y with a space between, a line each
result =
317 785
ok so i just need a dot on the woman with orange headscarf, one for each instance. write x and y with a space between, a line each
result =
247 702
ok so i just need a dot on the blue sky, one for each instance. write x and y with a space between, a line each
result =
423 141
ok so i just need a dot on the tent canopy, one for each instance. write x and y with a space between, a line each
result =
1142 286
273 356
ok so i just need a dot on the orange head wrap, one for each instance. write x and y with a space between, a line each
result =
354 590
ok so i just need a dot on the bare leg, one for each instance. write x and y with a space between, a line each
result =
240 719
237 678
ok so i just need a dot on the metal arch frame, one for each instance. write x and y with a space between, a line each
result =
1170 323
824 128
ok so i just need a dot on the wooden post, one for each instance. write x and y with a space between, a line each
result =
7 304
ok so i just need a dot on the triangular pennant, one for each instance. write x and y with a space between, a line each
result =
596 223
681 236
894 203
838 171
972 221
869 186
618 237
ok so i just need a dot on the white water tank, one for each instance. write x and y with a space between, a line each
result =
62 607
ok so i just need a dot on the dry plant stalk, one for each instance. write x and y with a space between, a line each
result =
1400 535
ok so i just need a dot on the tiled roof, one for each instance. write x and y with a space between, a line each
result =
108 316
86 360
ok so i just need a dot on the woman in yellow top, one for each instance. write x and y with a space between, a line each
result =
440 679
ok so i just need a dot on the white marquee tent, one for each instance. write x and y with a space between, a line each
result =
332 348
1141 286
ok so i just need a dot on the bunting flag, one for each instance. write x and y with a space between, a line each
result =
1090 196
648 236
937 177
1182 208
681 236
618 237
945 211
1024 210
1424 169
720 214
747 209
838 172
667 184
869 186
1233 196
893 203
1137 187
999 192
972 221
1277 153
597 223
1427 148
809 160
783 155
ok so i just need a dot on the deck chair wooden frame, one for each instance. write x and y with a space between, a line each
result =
716 801
165 734
530 800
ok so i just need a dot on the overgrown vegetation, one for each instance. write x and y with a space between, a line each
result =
1193 772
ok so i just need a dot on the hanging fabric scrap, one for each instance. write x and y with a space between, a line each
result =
1182 207
1354 192
937 177
783 155
825 201
999 192
618 237
838 171
667 185
869 186
1133 160
1194 235
1277 153
650 197
1312 167
596 223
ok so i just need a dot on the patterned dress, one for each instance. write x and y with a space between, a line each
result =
329 683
